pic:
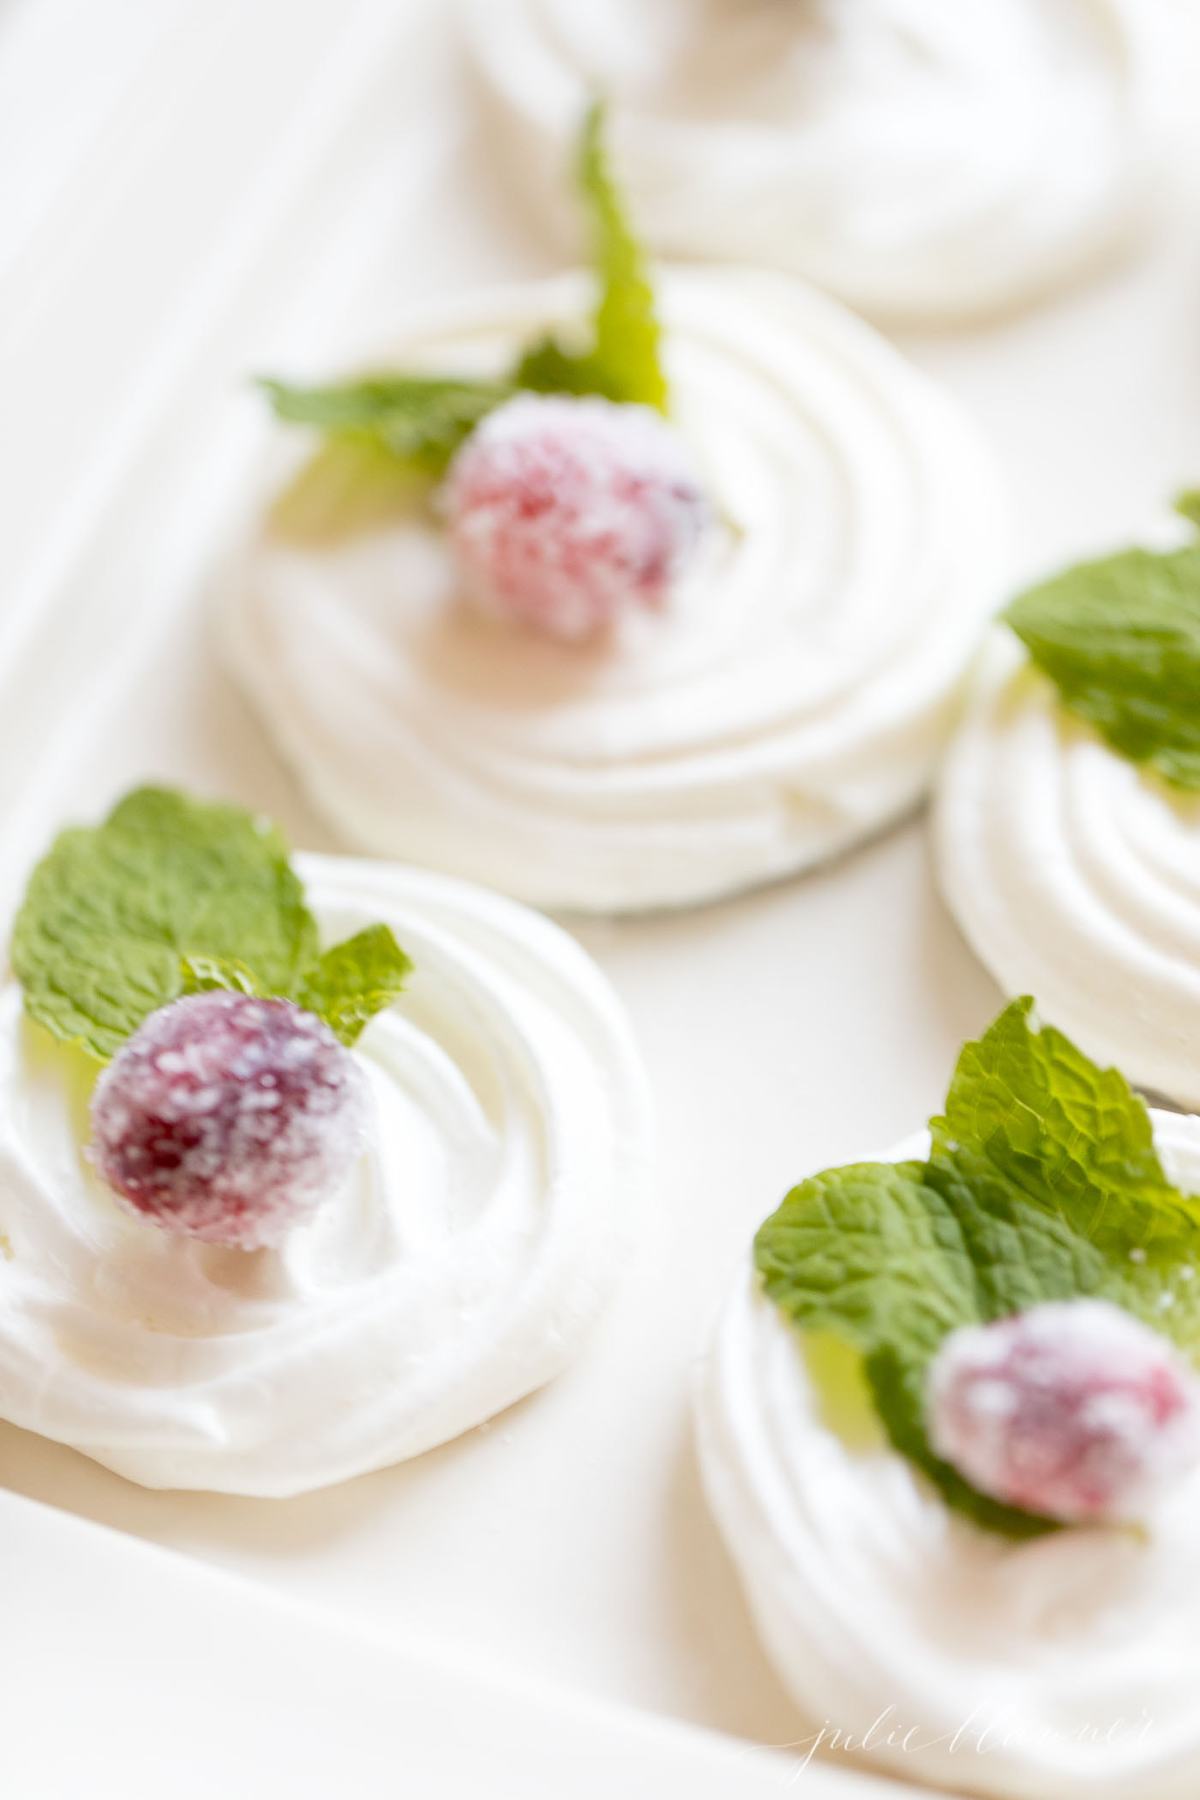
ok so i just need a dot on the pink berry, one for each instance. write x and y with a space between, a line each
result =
228 1118
1074 1410
564 513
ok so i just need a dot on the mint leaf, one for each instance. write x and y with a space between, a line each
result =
203 974
873 1254
1042 1184
110 913
171 895
548 368
623 362
418 419
350 484
388 425
356 979
1120 639
1038 1140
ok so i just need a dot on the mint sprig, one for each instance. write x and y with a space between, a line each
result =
1042 1183
419 420
1120 639
352 483
412 423
172 895
624 361
352 981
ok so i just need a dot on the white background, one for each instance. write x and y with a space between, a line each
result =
191 190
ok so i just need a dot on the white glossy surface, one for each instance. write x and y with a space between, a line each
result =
782 1032
1052 1670
505 1177
789 701
1075 875
918 159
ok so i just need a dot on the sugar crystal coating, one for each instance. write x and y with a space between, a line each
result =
228 1118
1074 1410
564 513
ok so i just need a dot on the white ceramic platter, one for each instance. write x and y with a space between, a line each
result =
141 1674
192 190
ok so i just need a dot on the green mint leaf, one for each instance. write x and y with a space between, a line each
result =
1042 1184
1120 639
111 912
350 484
872 1253
420 420
624 360
355 980
547 368
1039 1140
203 974
172 895
1187 505
346 986
389 434
627 329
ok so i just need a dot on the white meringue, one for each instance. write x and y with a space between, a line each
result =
1074 875
916 158
1056 1669
791 700
474 1244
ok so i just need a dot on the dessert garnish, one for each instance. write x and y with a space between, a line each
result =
227 1117
487 1139
1120 639
668 712
418 418
175 938
1042 1187
1073 1409
562 511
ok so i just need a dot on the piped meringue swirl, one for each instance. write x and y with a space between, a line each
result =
1075 876
915 158
790 700
1056 1669
472 1246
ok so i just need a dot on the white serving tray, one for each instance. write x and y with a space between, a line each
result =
143 1675
194 189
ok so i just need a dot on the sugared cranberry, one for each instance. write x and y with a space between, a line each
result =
1074 1410
564 513
228 1118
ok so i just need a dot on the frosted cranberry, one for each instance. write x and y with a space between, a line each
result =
564 513
228 1118
1074 1410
